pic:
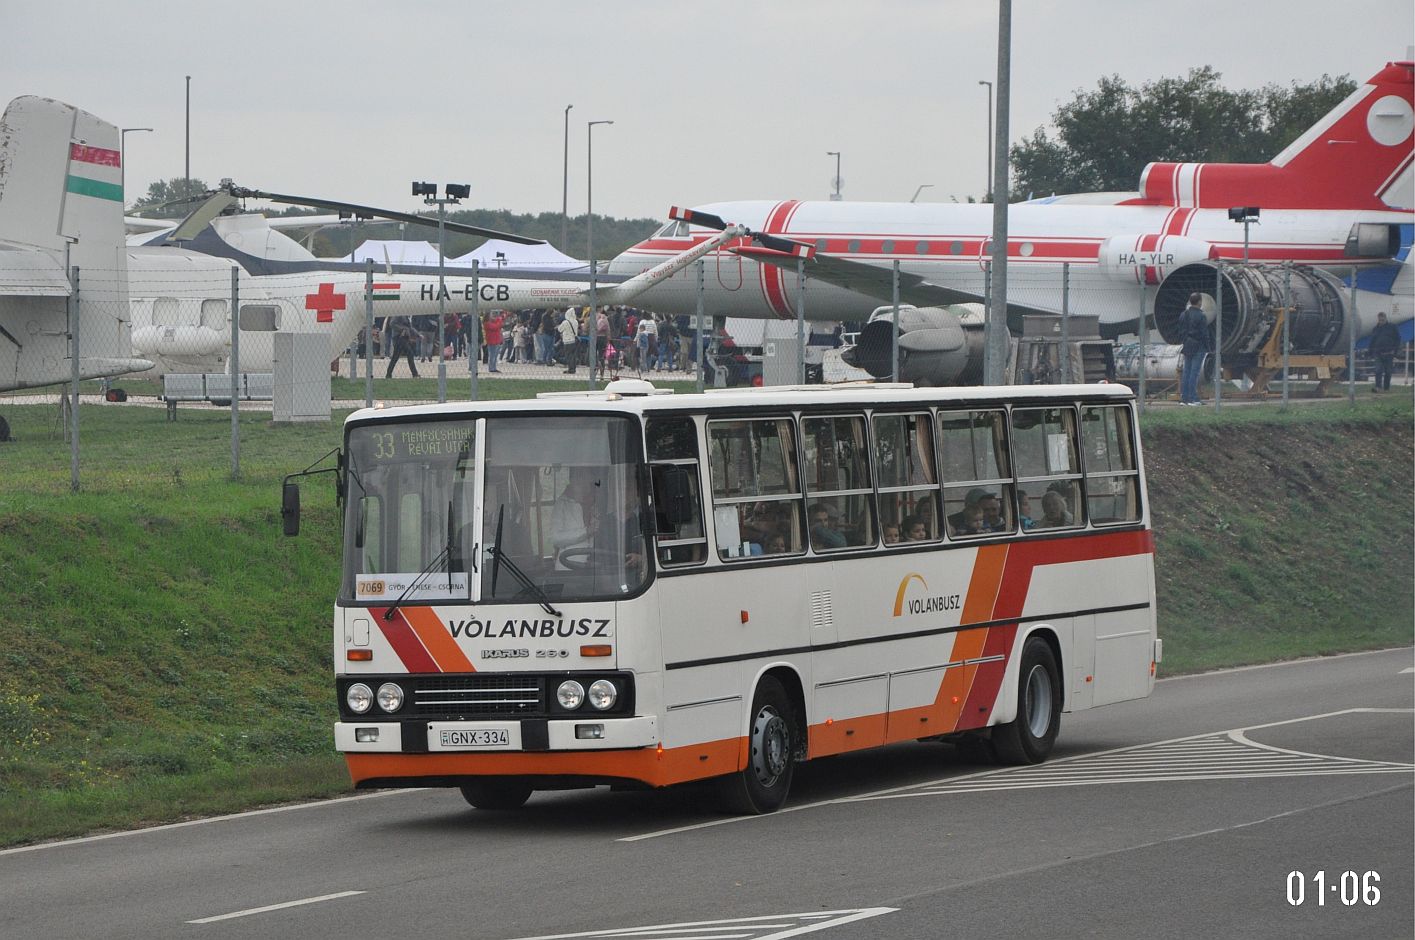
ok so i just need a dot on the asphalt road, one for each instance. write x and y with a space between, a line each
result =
1179 816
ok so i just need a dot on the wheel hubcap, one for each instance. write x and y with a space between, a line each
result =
769 746
1038 702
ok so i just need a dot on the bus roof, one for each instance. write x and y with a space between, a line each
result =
637 396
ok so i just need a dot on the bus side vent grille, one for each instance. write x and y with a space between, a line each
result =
821 613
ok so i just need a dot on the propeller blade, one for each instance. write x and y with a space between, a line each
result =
200 217
693 217
785 245
241 192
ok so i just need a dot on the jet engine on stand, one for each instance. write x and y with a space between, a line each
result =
937 345
1252 302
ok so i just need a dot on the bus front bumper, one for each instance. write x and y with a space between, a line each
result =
492 737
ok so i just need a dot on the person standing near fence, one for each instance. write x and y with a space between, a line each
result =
1385 340
569 340
405 343
492 332
1194 333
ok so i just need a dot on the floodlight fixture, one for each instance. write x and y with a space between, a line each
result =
458 190
424 189
1243 213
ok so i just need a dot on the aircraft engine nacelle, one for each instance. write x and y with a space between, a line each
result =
1123 256
1251 297
178 342
936 347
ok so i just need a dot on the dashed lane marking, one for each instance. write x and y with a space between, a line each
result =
770 927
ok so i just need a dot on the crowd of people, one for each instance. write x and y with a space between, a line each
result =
624 338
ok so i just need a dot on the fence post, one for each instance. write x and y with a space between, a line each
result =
801 321
235 362
368 333
74 354
1218 336
1144 334
701 344
475 345
1286 335
1351 344
894 330
1066 322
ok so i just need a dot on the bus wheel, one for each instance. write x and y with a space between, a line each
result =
496 793
761 787
1028 738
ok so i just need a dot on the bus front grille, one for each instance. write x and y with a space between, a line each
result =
467 695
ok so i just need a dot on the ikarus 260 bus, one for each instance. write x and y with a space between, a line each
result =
637 588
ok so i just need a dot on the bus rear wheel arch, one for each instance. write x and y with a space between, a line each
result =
1029 737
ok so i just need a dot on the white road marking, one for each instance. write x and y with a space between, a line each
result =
202 822
1407 671
780 926
275 907
1278 665
1213 755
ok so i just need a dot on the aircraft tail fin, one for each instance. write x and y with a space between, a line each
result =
61 203
1356 157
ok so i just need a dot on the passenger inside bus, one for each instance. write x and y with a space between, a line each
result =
825 527
969 519
916 530
891 533
1054 511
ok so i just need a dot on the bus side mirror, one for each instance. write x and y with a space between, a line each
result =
678 507
290 507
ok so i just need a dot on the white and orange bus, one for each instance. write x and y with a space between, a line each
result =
632 587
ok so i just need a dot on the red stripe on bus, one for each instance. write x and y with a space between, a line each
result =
404 641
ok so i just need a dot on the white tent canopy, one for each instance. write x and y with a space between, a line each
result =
494 253
396 252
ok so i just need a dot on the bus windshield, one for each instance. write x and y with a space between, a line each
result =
561 510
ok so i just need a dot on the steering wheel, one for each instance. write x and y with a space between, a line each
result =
583 558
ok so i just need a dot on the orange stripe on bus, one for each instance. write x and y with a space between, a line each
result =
431 630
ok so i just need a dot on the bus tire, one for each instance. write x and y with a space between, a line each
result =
496 793
1028 738
762 785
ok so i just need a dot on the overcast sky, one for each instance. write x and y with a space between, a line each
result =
714 100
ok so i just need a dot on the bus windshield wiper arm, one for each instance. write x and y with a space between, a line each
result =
388 614
500 558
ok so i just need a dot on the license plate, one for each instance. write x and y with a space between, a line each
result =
452 738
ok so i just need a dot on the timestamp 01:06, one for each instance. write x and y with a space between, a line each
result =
1348 886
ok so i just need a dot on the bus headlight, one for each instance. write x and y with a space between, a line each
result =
359 698
390 697
603 694
570 695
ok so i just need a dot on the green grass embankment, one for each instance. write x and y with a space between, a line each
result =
167 653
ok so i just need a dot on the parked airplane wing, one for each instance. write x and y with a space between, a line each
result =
878 282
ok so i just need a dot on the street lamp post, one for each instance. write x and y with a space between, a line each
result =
589 240
988 194
123 158
187 169
836 155
456 192
565 189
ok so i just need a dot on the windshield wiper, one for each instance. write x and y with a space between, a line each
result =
388 614
499 557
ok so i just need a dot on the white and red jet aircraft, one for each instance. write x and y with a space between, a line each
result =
1338 197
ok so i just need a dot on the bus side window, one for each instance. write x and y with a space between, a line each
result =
838 483
677 500
977 473
906 478
756 490
1112 480
1048 468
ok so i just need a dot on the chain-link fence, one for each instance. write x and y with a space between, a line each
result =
160 334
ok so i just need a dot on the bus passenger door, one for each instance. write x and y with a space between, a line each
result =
1081 663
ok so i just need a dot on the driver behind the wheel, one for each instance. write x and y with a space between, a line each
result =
573 515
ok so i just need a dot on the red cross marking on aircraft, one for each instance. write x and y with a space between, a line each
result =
324 303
